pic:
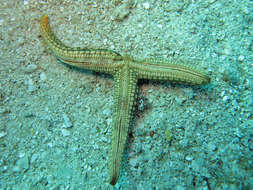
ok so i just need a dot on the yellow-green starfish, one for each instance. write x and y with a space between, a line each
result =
126 71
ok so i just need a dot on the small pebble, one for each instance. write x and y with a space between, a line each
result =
225 98
43 76
159 25
188 92
31 68
232 75
120 13
22 164
188 158
65 132
179 100
241 58
107 112
105 41
146 5
133 162
67 122
25 2
34 157
31 86
4 168
211 147
2 134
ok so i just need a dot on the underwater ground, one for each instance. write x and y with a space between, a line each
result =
55 120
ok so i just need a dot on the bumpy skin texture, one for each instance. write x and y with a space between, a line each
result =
126 71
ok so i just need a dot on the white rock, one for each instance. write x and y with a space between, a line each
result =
67 122
211 147
133 162
225 98
2 134
189 158
65 132
25 2
34 157
43 76
146 5
241 58
22 164
31 68
31 86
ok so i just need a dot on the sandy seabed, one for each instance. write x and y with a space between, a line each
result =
55 120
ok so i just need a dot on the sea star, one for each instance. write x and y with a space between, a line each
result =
126 71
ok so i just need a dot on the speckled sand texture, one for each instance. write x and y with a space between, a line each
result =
55 120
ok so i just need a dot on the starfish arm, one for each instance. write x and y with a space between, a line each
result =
93 59
159 70
124 97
